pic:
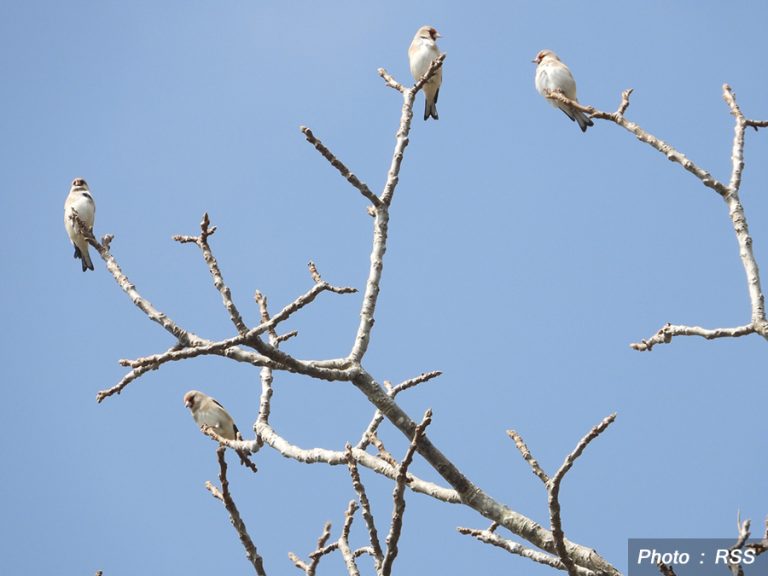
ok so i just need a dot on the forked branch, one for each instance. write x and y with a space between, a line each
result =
728 192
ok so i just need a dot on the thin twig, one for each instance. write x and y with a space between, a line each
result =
384 454
183 336
346 551
488 537
339 165
671 153
365 506
553 492
398 496
309 569
234 516
201 241
527 456
668 331
241 447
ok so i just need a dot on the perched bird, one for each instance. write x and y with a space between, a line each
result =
80 200
208 412
554 76
421 54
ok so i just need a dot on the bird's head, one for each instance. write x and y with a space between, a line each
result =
544 54
191 399
428 33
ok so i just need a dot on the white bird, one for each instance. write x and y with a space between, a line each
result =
208 412
80 200
421 53
554 76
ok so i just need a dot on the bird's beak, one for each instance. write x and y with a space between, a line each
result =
187 403
534 61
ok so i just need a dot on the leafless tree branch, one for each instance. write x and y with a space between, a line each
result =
183 336
240 447
346 551
343 170
488 537
365 506
730 194
398 496
363 458
320 551
668 331
234 515
553 493
527 456
269 357
378 417
201 241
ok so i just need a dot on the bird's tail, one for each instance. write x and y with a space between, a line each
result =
583 120
430 109
85 257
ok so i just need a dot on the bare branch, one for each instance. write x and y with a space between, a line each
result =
437 63
183 336
411 382
241 447
215 492
399 496
384 454
346 552
581 446
488 537
343 170
287 336
553 492
729 193
381 219
333 458
527 456
762 546
365 506
470 494
668 331
330 370
223 348
378 417
739 219
671 153
309 569
743 535
261 300
390 81
201 241
234 516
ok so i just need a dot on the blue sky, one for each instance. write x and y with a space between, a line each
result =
524 257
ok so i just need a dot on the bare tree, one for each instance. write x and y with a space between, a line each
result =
260 346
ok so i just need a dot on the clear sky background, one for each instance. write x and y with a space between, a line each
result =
524 257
